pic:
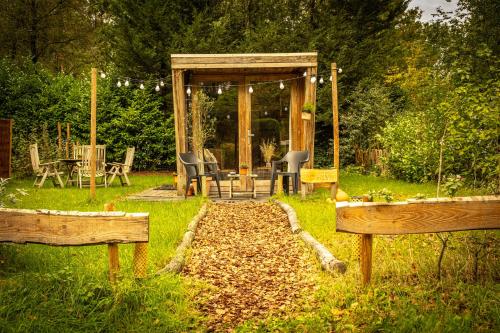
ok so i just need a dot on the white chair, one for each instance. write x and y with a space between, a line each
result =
122 169
44 170
84 165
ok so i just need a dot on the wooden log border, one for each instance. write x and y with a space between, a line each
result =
327 260
177 262
414 216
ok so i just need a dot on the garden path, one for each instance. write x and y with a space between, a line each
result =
254 264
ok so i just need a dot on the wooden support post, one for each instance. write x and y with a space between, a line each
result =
335 109
59 140
178 91
114 259
141 260
366 258
68 138
93 113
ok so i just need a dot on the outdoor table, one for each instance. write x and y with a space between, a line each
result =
71 167
235 176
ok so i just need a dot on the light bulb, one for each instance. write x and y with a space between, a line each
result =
250 90
286 108
188 91
103 75
162 83
331 78
313 79
265 113
282 86
228 117
126 83
219 91
141 86
321 81
305 74
118 84
157 88
340 70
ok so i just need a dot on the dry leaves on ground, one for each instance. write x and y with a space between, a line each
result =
256 265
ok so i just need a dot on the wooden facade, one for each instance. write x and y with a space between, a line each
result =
245 69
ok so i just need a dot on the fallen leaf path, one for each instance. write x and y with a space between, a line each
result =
257 267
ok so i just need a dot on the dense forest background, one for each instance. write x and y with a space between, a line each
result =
426 93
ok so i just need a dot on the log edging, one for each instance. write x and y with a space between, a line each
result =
327 260
177 262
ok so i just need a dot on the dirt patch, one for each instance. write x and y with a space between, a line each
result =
257 266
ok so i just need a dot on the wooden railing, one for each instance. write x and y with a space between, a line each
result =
72 228
413 217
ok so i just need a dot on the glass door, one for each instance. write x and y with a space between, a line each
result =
270 126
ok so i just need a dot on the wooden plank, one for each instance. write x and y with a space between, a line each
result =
113 256
318 175
255 60
180 124
72 228
93 116
438 215
218 77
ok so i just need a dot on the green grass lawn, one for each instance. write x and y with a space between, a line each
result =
47 289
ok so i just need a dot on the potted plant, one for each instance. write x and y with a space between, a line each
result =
243 169
268 149
307 110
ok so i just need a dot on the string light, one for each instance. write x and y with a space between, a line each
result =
126 83
103 75
282 85
313 79
250 90
162 83
118 84
228 116
340 70
141 86
265 113
188 91
331 78
305 74
321 81
157 88
219 91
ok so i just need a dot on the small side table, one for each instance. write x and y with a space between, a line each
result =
235 176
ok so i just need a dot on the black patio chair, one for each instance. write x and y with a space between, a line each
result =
294 161
190 162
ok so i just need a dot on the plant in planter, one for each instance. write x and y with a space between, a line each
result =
307 110
243 169
268 149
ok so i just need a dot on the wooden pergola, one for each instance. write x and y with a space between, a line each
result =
245 69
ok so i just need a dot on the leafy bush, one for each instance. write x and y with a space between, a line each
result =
37 100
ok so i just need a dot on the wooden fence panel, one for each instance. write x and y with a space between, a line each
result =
5 147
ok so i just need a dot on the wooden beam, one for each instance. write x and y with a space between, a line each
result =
366 250
335 108
93 115
255 60
113 257
59 140
72 228
434 215
296 104
178 93
220 77
308 125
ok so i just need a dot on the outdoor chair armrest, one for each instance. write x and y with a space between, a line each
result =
115 164
185 163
